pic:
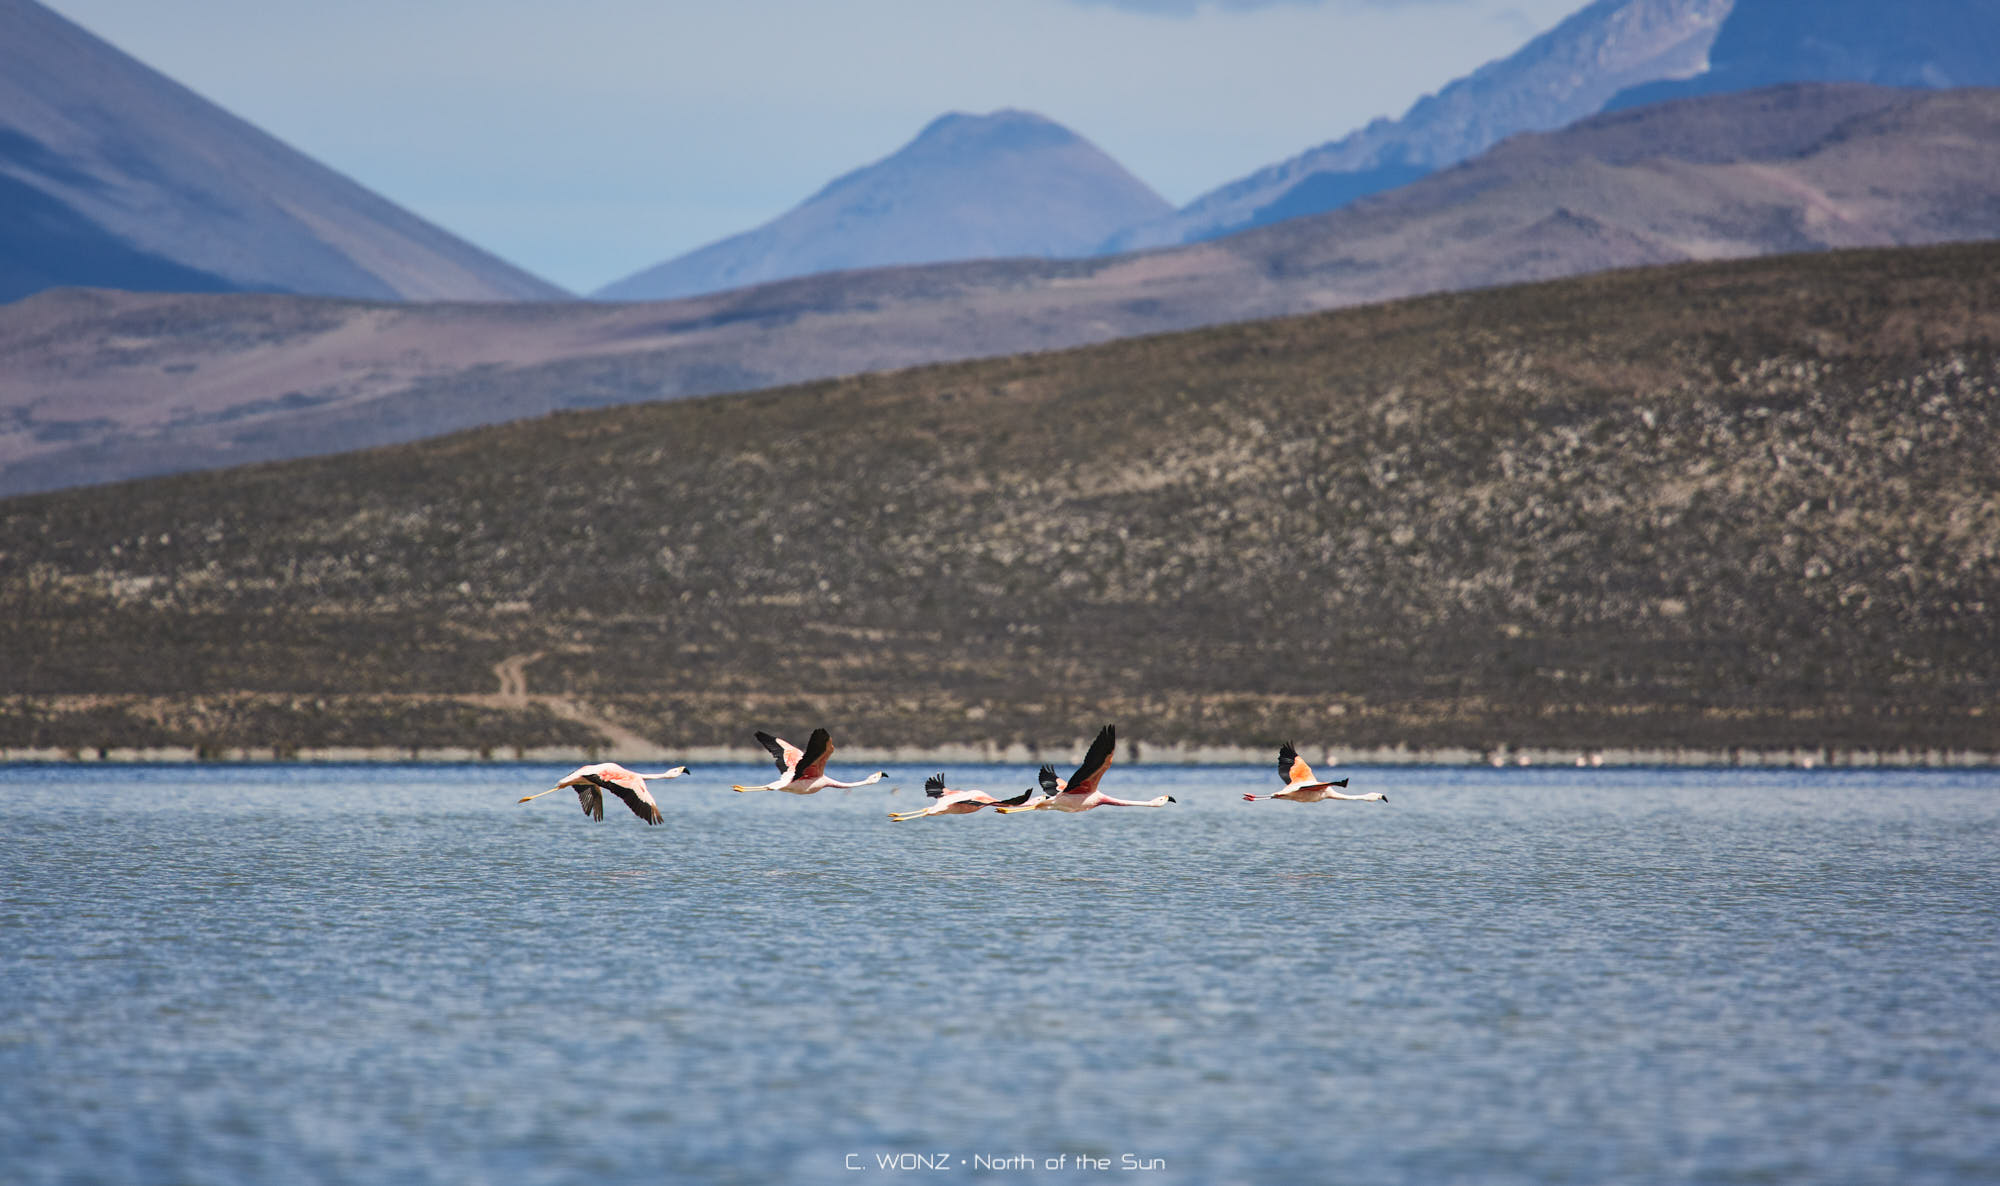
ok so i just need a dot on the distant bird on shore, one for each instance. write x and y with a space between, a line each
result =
945 801
1080 793
590 783
806 773
1302 787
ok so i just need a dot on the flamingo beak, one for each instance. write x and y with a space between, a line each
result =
1171 799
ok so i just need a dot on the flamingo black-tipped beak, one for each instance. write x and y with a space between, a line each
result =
1171 799
1385 798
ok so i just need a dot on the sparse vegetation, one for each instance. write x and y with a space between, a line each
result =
1748 505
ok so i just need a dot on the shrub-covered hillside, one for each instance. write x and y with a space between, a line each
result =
1748 504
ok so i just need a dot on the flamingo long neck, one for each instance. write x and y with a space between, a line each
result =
656 777
834 782
1108 801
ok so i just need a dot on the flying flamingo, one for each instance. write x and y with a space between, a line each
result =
1050 786
1302 787
592 781
950 802
807 774
1080 793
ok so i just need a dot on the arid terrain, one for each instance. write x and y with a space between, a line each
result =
97 386
1744 505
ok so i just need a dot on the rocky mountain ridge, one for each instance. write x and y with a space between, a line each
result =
1562 76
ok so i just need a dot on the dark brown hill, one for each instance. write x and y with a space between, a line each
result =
1749 504
95 387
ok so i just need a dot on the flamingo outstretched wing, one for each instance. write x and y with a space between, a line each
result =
812 762
1095 762
934 785
1292 768
786 754
632 789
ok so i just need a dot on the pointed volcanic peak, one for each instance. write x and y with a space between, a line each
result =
1912 43
1007 184
113 175
1556 79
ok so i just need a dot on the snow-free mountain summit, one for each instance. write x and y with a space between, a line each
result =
1007 184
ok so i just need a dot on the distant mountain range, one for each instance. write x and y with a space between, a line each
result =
968 187
1610 55
113 175
100 386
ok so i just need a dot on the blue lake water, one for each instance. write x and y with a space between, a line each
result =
368 974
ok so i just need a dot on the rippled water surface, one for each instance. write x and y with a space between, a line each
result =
347 974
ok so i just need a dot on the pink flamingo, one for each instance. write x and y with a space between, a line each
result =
590 783
950 802
1080 793
1302 787
805 774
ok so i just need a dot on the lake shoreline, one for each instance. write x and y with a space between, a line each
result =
1138 753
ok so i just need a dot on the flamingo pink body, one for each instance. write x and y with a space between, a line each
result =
946 802
1302 787
1080 793
590 783
803 772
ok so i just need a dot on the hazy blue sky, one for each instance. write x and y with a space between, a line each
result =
589 139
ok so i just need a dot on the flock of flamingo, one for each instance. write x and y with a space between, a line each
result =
803 772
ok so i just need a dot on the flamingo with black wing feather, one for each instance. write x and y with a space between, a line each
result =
1080 793
590 783
806 774
1302 787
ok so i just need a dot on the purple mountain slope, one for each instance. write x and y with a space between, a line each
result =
968 187
113 175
